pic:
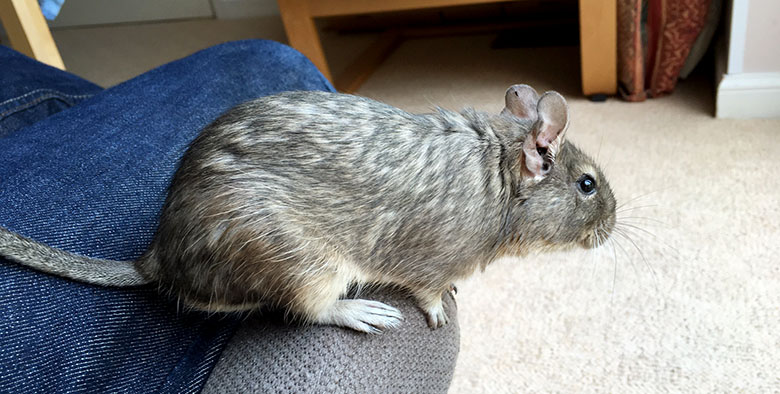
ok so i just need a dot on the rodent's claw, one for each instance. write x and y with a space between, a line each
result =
453 289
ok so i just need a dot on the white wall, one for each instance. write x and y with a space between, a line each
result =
749 71
762 37
236 9
101 12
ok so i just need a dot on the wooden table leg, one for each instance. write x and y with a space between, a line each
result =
598 46
28 32
302 33
368 61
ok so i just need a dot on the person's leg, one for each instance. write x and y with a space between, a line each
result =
92 180
30 90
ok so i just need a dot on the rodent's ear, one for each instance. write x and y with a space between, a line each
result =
521 101
542 144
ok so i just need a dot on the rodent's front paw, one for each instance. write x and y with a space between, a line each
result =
363 315
436 317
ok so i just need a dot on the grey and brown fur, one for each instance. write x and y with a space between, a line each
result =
289 200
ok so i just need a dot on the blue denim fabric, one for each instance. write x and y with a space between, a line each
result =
91 179
31 91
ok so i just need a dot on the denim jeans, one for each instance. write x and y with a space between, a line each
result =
86 170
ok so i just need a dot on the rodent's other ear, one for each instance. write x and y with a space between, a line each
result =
521 101
547 134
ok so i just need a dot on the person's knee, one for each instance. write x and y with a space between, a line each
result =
256 53
254 46
261 59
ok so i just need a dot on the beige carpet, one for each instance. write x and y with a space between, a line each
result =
694 306
695 309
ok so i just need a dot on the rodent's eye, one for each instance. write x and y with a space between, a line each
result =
587 184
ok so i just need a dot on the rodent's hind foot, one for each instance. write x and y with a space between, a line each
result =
431 304
436 317
362 315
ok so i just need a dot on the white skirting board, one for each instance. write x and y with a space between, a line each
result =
104 12
748 95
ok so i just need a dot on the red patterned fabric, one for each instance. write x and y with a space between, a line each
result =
654 39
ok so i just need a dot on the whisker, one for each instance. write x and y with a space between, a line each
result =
629 227
649 219
591 257
593 261
628 256
624 209
624 235
614 271
598 152
630 200
646 195
644 221
609 159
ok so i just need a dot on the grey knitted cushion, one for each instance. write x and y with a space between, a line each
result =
268 356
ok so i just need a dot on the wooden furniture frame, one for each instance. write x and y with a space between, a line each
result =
28 32
598 46
598 37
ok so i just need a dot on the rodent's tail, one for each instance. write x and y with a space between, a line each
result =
58 262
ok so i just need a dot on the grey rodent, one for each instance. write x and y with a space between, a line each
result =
287 201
